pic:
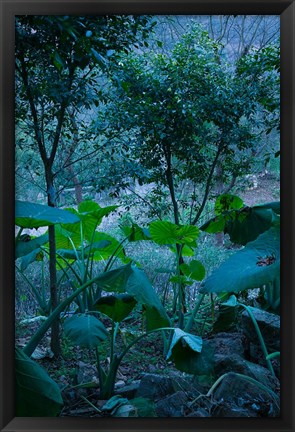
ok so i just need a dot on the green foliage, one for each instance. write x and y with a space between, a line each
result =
117 307
85 330
37 395
227 314
194 270
244 224
189 354
254 266
166 233
31 215
141 289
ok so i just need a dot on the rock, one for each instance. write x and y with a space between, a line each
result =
87 373
200 412
228 343
257 356
172 405
154 387
129 391
235 392
229 410
269 325
235 363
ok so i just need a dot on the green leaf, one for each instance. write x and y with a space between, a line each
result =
117 307
31 215
58 62
226 202
194 270
113 247
136 233
72 255
227 314
35 255
91 215
255 265
37 395
115 280
141 289
185 352
23 248
85 330
167 233
246 224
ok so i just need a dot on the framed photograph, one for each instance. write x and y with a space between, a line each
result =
146 280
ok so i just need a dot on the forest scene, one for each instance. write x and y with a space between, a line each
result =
147 216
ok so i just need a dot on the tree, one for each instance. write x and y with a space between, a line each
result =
189 112
56 62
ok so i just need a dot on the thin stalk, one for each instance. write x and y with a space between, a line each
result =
91 404
101 374
68 264
194 313
114 254
260 337
246 378
115 327
35 291
19 234
273 355
32 344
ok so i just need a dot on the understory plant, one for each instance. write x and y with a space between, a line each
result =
124 289
127 286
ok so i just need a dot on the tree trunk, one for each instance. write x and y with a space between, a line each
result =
55 339
182 297
219 237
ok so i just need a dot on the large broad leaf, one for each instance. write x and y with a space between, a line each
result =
114 247
141 289
115 280
73 255
272 295
31 215
184 350
227 314
246 224
117 307
90 214
136 233
226 202
191 354
37 395
194 270
85 330
167 233
23 248
35 255
256 265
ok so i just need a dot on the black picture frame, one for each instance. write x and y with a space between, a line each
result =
10 8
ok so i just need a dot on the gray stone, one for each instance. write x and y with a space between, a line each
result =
87 373
228 410
236 392
154 387
269 325
129 391
228 343
200 412
235 363
172 405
